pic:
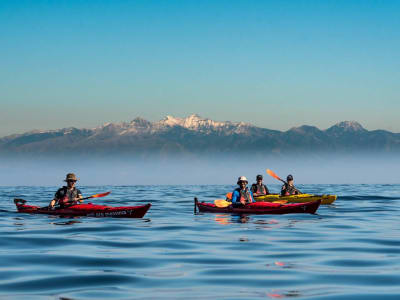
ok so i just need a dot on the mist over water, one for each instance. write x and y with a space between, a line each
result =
124 170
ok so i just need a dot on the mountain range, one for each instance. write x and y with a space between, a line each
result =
196 135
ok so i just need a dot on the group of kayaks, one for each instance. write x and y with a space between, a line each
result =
268 204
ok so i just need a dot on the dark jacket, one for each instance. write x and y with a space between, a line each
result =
66 197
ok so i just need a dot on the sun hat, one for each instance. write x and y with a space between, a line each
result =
71 176
242 178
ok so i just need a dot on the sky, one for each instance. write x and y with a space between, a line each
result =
275 64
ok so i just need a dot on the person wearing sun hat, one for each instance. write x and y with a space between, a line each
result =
242 195
67 195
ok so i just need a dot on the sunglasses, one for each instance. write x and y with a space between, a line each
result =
71 180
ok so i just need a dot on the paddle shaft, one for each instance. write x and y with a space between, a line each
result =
90 197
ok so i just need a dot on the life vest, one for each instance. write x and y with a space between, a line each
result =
260 189
245 195
290 190
67 197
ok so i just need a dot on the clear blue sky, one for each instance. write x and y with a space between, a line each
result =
275 64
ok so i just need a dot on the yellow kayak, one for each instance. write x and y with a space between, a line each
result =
325 199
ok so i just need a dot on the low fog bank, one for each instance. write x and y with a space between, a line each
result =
218 170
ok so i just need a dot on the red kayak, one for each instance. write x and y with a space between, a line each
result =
261 208
85 210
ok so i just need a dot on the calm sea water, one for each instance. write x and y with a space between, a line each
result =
349 250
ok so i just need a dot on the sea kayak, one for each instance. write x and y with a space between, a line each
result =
302 198
85 210
260 208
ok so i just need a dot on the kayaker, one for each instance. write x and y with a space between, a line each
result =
67 195
259 189
242 195
288 188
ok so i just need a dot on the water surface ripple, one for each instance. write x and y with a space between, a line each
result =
349 250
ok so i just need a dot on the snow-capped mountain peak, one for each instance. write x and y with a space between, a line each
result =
192 122
349 126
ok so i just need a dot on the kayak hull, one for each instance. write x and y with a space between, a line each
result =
88 210
261 208
302 198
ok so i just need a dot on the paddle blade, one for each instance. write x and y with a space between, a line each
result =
222 203
100 195
272 173
280 201
228 196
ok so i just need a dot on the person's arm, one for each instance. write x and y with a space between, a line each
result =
52 203
266 190
55 199
283 191
235 197
254 190
79 198
252 197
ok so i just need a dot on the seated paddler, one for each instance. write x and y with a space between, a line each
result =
67 195
288 188
242 195
259 188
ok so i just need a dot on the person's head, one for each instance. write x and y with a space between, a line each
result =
71 179
289 179
259 179
242 181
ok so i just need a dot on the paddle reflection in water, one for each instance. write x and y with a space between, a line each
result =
226 219
222 219
278 294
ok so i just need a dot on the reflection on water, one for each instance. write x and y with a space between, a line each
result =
71 222
348 250
226 219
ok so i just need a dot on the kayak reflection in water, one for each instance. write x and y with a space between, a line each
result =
288 188
242 195
67 195
259 189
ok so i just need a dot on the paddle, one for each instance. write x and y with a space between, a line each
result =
222 203
90 197
272 173
96 196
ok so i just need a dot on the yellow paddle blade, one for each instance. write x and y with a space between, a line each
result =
222 203
280 201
